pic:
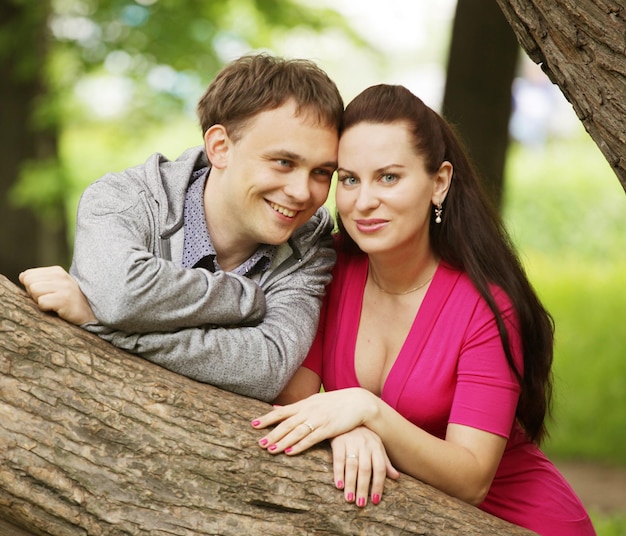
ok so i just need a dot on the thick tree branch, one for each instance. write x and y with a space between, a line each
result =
581 45
97 441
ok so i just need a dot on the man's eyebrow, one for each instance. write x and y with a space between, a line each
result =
289 155
332 165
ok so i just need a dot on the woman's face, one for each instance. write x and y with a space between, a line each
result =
384 195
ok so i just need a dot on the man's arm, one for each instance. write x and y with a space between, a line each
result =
130 287
53 289
255 361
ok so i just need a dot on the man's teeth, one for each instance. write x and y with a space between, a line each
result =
283 210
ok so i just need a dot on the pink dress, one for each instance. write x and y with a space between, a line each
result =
452 369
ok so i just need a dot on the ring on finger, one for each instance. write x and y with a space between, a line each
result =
309 426
352 455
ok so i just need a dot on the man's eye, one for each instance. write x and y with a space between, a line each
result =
324 173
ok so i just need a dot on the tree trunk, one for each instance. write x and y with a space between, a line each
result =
97 441
581 45
27 238
477 99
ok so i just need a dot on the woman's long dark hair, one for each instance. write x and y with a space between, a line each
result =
471 238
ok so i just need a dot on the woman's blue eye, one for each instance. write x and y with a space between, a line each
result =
389 178
348 181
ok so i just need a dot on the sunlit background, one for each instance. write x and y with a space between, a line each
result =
563 204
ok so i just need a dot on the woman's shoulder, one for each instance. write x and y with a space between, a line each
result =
466 288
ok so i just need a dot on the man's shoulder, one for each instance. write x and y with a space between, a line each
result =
158 166
318 227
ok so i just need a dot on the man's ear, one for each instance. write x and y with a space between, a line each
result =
217 144
442 183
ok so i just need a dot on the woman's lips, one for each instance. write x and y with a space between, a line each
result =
371 225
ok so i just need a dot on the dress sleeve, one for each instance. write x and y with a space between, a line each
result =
487 390
314 359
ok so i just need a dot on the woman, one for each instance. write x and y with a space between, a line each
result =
433 349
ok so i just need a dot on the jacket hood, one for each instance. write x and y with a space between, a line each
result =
318 226
168 180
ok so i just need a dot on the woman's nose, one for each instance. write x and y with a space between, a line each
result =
367 198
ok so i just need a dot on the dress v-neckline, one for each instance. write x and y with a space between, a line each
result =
416 338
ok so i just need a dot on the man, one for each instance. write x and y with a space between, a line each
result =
242 210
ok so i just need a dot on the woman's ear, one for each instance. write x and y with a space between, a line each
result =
442 182
217 144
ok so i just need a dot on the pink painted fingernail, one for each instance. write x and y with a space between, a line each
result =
288 450
272 447
255 422
376 498
350 497
339 484
263 442
360 502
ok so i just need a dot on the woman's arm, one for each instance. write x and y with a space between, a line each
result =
462 465
304 383
360 463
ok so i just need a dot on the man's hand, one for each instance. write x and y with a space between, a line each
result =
53 289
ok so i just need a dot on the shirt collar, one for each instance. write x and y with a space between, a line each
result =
199 250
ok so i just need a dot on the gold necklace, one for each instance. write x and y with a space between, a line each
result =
414 289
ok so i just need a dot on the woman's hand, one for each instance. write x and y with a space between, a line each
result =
314 419
53 289
359 458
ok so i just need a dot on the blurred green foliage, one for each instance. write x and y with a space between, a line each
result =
609 525
132 66
43 186
165 51
565 210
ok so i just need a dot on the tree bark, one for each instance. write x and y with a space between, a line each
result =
581 45
97 441
477 99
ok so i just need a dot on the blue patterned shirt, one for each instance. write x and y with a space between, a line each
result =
199 251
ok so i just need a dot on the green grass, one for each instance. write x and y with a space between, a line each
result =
566 211
590 369
614 525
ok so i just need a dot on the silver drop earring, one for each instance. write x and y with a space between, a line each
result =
438 212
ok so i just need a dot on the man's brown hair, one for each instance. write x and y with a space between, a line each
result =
256 83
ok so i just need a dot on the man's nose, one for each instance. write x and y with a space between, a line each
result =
298 187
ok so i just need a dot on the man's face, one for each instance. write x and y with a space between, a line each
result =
275 175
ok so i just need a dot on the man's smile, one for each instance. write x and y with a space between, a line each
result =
283 210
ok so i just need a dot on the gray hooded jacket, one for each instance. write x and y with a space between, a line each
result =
247 336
